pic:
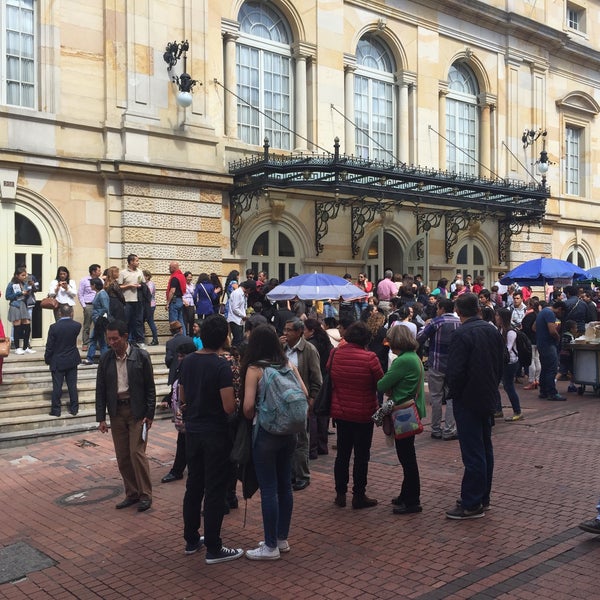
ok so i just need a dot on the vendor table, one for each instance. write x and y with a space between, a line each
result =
586 366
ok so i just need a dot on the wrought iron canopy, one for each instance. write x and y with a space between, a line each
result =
351 180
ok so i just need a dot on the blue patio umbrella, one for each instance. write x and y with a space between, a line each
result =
540 271
594 273
315 286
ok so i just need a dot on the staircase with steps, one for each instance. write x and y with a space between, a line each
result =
26 392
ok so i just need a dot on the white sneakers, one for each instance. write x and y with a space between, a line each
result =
19 351
26 351
263 552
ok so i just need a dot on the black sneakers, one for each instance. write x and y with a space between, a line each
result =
223 555
192 547
460 513
591 526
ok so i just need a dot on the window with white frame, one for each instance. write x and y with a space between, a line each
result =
575 17
573 142
462 128
274 252
264 76
18 46
374 100
577 257
470 260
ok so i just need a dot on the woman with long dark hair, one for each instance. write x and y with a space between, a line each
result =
231 283
272 453
63 288
17 293
509 335
204 296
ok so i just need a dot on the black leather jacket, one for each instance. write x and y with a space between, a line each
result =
142 391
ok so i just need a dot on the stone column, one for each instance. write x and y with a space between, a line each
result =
442 158
349 128
301 104
230 35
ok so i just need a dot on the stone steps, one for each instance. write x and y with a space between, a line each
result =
26 391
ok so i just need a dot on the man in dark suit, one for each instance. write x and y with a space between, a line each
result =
172 346
63 357
125 389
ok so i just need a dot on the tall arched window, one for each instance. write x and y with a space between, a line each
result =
374 102
461 120
577 257
264 76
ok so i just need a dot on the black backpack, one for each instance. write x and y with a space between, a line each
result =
524 349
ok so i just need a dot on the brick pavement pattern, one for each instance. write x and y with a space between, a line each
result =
58 497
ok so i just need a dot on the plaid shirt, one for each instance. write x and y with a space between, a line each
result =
439 332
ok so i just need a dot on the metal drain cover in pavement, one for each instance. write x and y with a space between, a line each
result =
19 559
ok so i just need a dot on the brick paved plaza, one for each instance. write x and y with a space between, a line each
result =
58 502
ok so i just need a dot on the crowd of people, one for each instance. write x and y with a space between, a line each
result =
462 336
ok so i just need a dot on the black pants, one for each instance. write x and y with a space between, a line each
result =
410 492
355 437
180 461
209 470
57 382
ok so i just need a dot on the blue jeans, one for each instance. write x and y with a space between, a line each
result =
273 465
209 469
475 438
509 372
176 310
98 338
549 364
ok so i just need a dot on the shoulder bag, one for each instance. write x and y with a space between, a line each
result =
4 347
404 420
49 303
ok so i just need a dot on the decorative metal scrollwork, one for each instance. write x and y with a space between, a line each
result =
428 220
362 214
323 212
506 229
456 223
238 205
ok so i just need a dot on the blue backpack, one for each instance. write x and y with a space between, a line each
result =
282 407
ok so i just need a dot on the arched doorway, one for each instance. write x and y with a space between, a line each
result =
470 260
384 252
27 239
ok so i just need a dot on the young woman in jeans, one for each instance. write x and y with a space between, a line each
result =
272 454
509 335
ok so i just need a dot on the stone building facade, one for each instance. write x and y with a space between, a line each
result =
98 160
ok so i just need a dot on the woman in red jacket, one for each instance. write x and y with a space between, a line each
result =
354 374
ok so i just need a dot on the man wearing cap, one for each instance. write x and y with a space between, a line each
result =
172 348
238 302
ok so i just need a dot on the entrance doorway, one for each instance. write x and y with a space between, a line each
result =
25 239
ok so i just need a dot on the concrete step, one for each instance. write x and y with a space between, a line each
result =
25 398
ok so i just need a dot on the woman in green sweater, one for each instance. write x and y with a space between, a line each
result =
404 383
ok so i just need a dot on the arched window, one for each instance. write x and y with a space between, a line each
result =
274 253
374 101
461 120
264 76
577 257
470 260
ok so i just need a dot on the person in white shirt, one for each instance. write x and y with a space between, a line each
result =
238 302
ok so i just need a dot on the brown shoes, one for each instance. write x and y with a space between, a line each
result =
340 500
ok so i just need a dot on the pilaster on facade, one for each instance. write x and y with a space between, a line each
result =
349 131
304 54
230 31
